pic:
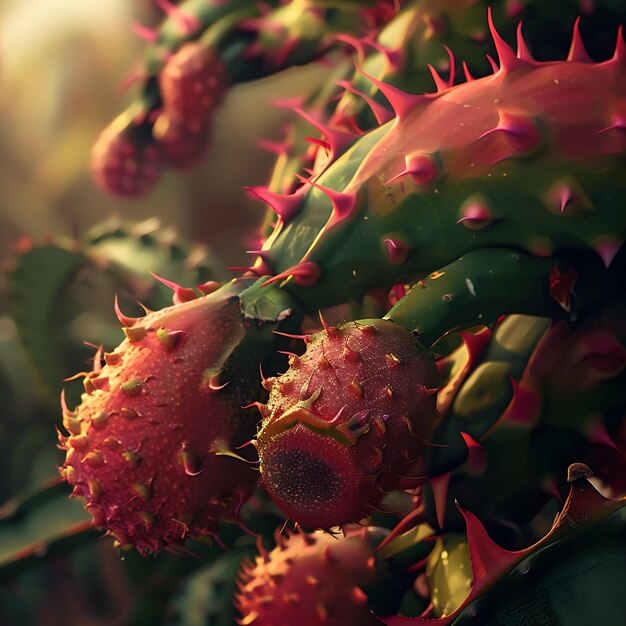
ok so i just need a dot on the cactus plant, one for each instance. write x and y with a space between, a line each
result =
466 245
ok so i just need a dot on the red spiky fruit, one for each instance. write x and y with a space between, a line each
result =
346 422
148 446
181 144
193 83
311 580
124 160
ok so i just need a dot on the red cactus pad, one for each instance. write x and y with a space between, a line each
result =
310 580
193 83
146 445
124 160
346 422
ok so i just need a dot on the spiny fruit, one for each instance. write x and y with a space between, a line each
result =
124 159
149 445
193 83
181 144
311 579
345 423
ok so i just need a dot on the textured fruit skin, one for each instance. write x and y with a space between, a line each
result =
124 161
145 443
346 421
310 580
193 83
181 143
450 175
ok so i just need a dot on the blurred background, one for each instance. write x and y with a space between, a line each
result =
62 67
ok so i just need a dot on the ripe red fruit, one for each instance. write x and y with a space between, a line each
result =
311 580
181 144
346 422
148 446
193 83
124 160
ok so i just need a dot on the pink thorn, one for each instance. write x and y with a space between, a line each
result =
440 83
439 486
577 51
397 251
214 385
414 518
336 138
274 147
64 408
420 168
351 41
476 215
147 34
136 75
508 60
608 249
288 47
181 294
304 338
186 22
97 360
392 56
489 560
519 132
289 103
343 203
476 343
168 283
468 77
305 274
401 102
470 442
524 407
476 454
285 206
381 114
452 71
599 435
620 46
523 53
124 319
494 65
566 197
320 142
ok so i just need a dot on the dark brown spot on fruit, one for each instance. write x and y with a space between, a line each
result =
298 477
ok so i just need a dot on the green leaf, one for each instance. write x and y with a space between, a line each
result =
36 288
39 525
